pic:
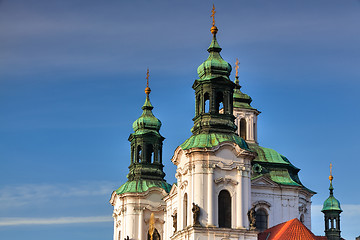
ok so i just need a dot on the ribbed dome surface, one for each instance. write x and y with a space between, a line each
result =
331 204
214 65
147 120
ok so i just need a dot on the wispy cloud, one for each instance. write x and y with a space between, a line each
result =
52 221
14 195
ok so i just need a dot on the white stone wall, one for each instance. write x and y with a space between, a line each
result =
201 175
250 115
282 203
132 213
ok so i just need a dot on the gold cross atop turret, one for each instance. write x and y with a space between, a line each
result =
331 176
213 29
147 89
237 68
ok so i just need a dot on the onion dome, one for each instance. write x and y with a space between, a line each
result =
331 203
147 120
215 65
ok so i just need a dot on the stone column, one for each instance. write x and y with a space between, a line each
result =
210 195
239 200
141 223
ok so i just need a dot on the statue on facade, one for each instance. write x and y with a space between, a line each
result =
127 238
174 217
196 214
252 218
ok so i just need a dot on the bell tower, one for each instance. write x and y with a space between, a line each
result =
138 203
213 92
332 210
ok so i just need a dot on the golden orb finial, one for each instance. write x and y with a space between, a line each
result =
331 176
237 68
213 29
147 89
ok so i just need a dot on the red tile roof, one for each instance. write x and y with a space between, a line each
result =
290 230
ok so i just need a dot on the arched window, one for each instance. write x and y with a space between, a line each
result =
243 128
206 102
219 102
261 219
185 209
150 153
224 209
139 153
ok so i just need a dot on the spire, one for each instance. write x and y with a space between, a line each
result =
331 209
241 100
331 179
147 120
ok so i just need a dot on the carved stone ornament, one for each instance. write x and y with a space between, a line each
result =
225 180
252 218
196 215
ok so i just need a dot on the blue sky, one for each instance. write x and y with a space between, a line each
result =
72 79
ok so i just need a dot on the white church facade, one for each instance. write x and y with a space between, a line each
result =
228 186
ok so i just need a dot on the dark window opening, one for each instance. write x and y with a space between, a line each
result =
219 102
224 209
206 103
261 219
150 153
139 153
243 128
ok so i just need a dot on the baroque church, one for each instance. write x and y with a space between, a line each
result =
227 185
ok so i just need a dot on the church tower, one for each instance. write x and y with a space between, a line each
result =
140 199
332 210
212 196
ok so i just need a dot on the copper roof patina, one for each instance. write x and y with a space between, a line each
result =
212 140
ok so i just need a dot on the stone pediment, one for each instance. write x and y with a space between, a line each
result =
263 182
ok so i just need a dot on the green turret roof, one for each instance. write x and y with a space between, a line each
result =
142 185
331 203
212 140
214 66
147 121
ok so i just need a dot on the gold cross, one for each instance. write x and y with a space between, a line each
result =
213 15
237 67
331 169
147 78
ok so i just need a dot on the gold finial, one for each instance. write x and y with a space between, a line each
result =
213 29
237 68
213 15
147 89
152 225
331 176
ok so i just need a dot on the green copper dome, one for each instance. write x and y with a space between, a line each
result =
331 203
215 65
147 120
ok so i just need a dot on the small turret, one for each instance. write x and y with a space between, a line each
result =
146 168
331 209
